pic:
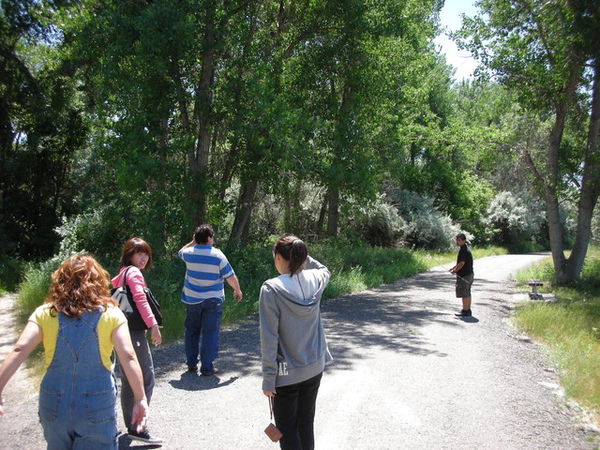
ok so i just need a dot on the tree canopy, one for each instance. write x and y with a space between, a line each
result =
319 117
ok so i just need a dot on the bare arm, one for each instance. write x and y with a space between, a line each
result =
29 339
235 285
457 267
189 244
121 339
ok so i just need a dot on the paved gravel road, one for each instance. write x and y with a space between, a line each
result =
406 375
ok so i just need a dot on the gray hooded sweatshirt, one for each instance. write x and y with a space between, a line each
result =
292 338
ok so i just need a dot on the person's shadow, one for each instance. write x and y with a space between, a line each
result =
470 319
125 442
191 381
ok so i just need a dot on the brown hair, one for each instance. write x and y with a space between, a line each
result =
293 250
79 284
133 246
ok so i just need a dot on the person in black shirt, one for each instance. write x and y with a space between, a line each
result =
464 275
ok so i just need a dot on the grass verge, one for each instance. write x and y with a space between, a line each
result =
570 327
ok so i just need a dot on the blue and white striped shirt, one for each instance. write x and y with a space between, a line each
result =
207 268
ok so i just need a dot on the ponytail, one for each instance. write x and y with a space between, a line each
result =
293 250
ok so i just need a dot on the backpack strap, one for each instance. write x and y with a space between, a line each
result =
125 276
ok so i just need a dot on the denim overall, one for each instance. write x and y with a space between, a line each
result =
78 394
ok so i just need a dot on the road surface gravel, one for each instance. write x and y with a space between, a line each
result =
407 374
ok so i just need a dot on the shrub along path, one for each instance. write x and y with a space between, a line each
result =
406 375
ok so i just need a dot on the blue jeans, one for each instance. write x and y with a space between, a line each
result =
203 319
78 394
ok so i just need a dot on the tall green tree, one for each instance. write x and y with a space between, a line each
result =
547 54
354 80
42 128
152 71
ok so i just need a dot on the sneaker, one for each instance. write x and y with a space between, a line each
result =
464 313
143 436
192 368
210 372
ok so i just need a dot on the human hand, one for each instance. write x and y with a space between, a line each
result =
139 416
237 294
269 393
155 335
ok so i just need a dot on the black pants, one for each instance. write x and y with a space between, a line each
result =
142 351
294 411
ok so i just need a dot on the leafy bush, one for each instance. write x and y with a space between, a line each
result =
93 231
294 213
519 222
424 225
379 224
102 230
35 287
514 221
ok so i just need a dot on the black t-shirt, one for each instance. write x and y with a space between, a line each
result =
464 254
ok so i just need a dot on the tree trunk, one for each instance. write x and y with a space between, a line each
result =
198 155
322 213
550 182
292 209
333 213
590 186
243 211
555 230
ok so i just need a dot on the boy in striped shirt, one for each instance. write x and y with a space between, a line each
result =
203 294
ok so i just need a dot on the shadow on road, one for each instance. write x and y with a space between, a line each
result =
194 382
390 317
125 442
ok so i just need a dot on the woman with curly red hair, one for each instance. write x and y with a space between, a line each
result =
79 325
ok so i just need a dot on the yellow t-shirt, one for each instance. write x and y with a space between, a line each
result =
109 320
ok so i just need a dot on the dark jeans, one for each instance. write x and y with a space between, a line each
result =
203 319
294 411
142 351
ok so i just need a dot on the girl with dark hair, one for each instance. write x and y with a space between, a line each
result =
136 256
79 325
293 345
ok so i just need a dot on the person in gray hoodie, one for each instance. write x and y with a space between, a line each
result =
293 345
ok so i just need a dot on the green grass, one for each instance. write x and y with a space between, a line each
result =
570 327
355 266
34 288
